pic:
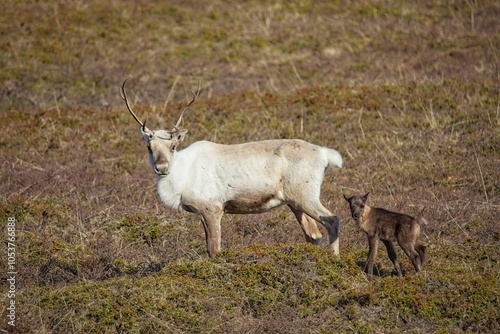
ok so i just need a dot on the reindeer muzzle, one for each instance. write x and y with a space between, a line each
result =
160 171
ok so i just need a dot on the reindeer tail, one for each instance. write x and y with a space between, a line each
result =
333 156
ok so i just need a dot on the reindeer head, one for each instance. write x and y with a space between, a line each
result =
357 205
161 144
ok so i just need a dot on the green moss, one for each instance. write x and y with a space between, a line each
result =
139 227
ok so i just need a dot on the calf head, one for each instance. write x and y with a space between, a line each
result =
161 144
357 205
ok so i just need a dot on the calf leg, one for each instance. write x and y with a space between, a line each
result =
392 255
414 256
421 249
372 255
309 227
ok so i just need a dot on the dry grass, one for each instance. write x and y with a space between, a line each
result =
409 93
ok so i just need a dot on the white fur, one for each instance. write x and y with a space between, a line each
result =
210 172
212 179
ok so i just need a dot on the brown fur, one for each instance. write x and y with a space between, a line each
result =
390 227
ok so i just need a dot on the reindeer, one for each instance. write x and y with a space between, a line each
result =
389 227
211 179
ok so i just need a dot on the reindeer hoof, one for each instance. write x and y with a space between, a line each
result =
316 241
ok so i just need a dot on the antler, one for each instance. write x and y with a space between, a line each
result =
176 126
124 98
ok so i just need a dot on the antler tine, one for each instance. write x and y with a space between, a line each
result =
124 98
176 126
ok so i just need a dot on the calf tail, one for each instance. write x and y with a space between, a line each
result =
422 221
420 218
333 156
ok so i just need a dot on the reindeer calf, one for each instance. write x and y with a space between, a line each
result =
389 227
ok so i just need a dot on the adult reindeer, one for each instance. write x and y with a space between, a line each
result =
211 179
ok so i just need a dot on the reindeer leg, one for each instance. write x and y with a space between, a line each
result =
211 223
332 225
372 255
392 255
309 227
318 212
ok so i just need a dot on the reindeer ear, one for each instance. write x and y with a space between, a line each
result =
178 137
146 132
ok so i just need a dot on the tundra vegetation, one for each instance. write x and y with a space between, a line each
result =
407 91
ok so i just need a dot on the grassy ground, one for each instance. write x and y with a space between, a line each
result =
408 92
